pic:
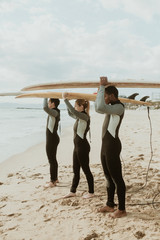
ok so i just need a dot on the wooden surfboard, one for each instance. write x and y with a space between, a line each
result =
86 84
87 96
10 94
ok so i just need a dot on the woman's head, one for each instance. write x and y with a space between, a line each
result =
82 105
53 102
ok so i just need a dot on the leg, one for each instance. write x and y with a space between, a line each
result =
116 173
110 183
115 169
76 176
89 176
51 150
83 157
121 189
76 172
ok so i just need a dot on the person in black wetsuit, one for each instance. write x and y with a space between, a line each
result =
81 145
52 138
107 102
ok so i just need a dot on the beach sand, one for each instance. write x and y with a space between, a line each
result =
30 212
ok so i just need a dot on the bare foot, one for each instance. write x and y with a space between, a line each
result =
106 209
50 184
89 195
71 194
118 214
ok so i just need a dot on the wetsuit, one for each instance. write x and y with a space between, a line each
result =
111 148
52 138
81 148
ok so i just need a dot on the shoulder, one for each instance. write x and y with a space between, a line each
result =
118 103
118 108
57 110
87 115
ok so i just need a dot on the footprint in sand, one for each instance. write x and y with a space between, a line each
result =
12 228
24 201
42 206
14 215
91 236
19 176
69 202
47 220
10 175
66 202
4 199
139 234
2 206
36 175
141 155
75 203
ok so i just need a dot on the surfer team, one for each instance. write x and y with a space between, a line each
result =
106 103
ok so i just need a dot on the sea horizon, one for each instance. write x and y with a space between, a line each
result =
23 126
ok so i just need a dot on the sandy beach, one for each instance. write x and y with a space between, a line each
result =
30 212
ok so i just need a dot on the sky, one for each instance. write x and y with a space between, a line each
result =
71 40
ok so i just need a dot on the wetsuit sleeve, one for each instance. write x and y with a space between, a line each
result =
75 114
102 107
70 114
96 109
52 112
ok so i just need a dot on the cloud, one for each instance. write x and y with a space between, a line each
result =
144 9
11 79
11 5
7 6
44 48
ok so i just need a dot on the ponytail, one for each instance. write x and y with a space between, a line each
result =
85 104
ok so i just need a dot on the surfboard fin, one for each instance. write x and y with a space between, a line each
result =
144 98
133 96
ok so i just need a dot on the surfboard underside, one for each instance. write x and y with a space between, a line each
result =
63 85
70 96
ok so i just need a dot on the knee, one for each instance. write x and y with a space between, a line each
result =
87 171
77 175
76 171
52 161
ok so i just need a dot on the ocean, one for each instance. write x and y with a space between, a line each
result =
23 126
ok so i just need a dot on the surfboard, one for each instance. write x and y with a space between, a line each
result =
70 96
91 84
10 94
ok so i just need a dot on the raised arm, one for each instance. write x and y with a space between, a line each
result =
75 113
51 112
